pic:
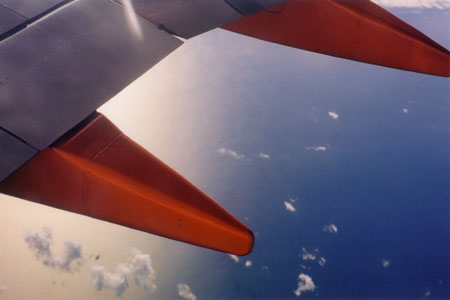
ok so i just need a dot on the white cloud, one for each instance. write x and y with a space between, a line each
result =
331 228
385 263
234 257
264 271
439 4
322 261
307 256
263 155
333 115
405 110
312 256
72 252
40 242
231 153
289 206
316 148
117 281
138 266
305 267
142 269
184 291
248 263
305 284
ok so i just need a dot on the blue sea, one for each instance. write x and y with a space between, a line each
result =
362 147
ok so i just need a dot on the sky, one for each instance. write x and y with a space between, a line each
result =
341 170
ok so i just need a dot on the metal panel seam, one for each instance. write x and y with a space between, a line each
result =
19 138
31 21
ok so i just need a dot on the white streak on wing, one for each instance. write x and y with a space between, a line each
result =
132 19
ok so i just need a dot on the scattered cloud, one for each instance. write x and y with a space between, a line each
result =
405 110
72 252
313 114
264 156
385 263
439 4
333 115
264 271
40 242
117 281
139 267
289 206
316 148
312 256
305 267
248 263
427 293
305 284
234 258
231 153
322 261
331 228
3 288
142 270
308 256
184 291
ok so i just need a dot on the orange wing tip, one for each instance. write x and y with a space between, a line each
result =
97 171
356 30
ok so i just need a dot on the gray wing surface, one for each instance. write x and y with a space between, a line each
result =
31 9
13 154
9 20
61 59
187 18
248 7
58 70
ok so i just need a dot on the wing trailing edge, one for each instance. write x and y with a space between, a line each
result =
95 170
353 29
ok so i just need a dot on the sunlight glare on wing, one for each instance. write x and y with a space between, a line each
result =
132 19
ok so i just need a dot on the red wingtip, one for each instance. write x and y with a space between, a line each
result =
358 30
99 172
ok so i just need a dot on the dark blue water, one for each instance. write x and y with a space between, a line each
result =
383 179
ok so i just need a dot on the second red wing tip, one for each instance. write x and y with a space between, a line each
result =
365 33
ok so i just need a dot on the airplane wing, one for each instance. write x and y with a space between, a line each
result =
353 29
61 59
